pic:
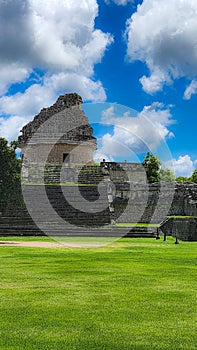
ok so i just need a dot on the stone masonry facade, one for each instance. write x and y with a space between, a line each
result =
60 133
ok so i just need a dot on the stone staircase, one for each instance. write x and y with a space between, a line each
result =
21 225
55 174
84 209
142 232
66 210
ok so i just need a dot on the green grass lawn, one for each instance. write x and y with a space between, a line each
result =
26 238
137 294
135 224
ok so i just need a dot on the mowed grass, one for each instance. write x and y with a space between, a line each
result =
137 294
135 224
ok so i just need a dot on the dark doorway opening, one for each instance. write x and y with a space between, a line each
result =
66 158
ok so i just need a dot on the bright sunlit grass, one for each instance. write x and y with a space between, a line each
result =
135 224
136 294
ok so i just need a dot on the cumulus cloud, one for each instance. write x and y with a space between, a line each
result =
190 90
183 166
26 104
138 134
56 37
42 95
11 73
86 87
163 35
16 37
11 127
54 34
99 157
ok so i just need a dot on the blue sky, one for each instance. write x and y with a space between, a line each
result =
141 55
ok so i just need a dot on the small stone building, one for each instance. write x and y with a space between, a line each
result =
59 134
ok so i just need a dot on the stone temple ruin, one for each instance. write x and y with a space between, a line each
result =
57 147
61 132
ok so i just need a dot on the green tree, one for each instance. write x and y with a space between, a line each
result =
152 165
10 170
194 176
167 175
182 179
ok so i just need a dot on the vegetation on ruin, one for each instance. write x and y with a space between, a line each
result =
190 179
155 172
182 179
152 165
194 176
137 294
167 175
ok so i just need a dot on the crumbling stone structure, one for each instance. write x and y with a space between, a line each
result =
60 133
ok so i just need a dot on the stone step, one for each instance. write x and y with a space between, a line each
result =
142 232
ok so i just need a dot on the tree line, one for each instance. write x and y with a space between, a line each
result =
156 173
10 175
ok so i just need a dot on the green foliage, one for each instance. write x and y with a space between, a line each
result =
152 165
182 179
167 175
194 176
14 145
10 169
138 294
154 171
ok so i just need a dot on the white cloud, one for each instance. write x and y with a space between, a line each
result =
119 2
163 35
99 156
183 166
42 95
55 34
10 128
190 90
28 103
57 37
134 135
155 82
86 87
11 73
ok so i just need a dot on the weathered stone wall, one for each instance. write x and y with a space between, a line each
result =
185 200
143 202
78 154
69 124
128 172
182 228
158 200
64 103
59 128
